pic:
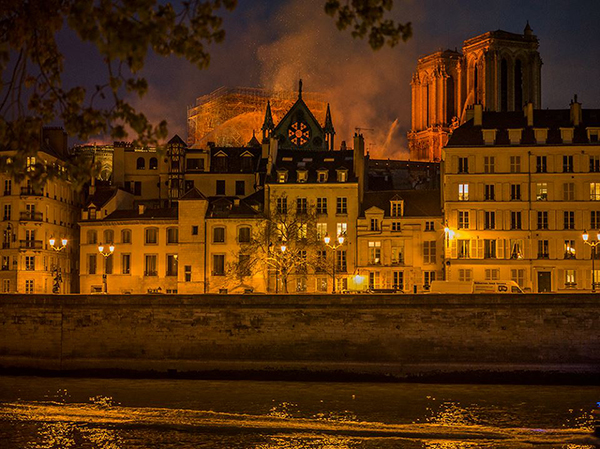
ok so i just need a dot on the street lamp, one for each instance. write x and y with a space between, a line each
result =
334 246
106 254
593 244
56 271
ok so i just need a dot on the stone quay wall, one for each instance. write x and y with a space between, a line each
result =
391 335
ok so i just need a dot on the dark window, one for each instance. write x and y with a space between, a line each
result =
518 86
542 217
569 219
172 264
220 164
153 165
301 205
594 162
244 265
126 264
172 235
463 165
515 220
489 249
541 164
568 164
244 235
188 273
194 164
321 205
220 187
504 85
218 264
282 205
543 249
515 191
247 164
240 188
219 235
595 219
141 163
340 259
137 188
490 220
490 192
194 230
342 205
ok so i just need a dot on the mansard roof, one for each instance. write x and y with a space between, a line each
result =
553 119
312 162
234 158
232 207
417 203
148 214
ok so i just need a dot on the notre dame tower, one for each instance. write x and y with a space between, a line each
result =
498 69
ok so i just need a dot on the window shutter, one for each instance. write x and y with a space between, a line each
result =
473 219
480 248
500 248
480 192
588 278
505 192
561 278
480 218
387 252
453 249
472 168
473 249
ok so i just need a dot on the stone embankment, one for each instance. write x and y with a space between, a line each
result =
304 336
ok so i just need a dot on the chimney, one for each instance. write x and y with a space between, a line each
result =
236 202
359 163
529 113
575 112
92 186
477 115
141 209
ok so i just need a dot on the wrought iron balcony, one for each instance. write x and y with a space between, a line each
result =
32 216
30 191
31 244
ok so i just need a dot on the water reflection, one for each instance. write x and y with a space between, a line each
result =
302 442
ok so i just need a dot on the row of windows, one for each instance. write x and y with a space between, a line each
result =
397 281
397 253
516 220
541 192
302 205
135 187
302 175
150 236
497 249
150 264
541 164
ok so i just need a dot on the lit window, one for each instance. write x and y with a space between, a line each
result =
342 229
541 191
595 191
463 192
374 253
321 230
282 176
570 278
342 175
302 175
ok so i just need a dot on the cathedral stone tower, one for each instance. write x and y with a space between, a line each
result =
499 70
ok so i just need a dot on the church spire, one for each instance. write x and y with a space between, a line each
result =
328 129
268 125
528 31
300 89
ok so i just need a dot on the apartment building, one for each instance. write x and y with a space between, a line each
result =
40 244
519 190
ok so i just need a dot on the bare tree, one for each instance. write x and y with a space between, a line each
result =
285 244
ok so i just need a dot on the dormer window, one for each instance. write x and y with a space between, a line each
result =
282 176
92 213
322 175
396 208
593 134
247 163
342 175
302 175
221 162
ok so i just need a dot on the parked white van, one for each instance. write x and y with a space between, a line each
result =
474 287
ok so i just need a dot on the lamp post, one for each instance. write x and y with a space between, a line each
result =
333 246
106 254
593 244
56 271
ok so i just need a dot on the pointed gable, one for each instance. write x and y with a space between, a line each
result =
299 129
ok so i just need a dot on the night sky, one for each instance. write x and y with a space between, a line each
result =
273 43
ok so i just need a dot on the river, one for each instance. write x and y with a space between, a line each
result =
53 413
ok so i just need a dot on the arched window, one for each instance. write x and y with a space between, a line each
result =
518 86
153 163
244 234
141 163
109 236
151 236
427 104
92 237
450 111
126 236
504 85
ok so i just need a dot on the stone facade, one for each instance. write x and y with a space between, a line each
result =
499 70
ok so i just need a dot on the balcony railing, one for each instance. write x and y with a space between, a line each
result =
151 273
31 191
32 216
30 244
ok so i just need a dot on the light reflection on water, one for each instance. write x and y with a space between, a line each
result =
168 414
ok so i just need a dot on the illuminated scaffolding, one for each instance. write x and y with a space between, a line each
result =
229 116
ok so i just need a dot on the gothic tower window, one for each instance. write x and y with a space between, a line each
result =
450 110
476 84
504 85
518 86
